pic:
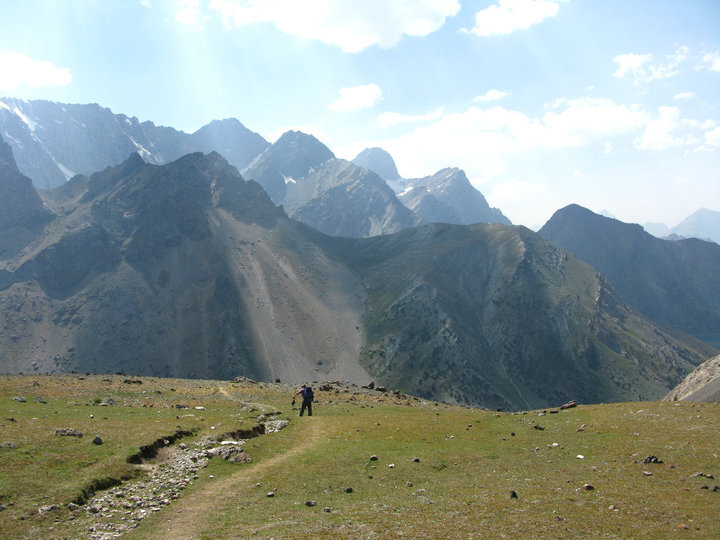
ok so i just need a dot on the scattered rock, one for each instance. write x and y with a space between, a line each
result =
132 381
580 456
46 509
348 490
652 459
647 473
20 399
269 493
416 460
715 488
568 405
588 487
40 400
513 495
10 445
97 440
310 503
272 426
67 432
538 427
72 506
327 509
391 465
373 458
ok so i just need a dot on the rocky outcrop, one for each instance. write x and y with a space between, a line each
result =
703 384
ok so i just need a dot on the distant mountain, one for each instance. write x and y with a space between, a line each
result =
380 162
448 197
675 283
332 195
6 154
445 197
53 142
658 230
703 224
188 270
703 384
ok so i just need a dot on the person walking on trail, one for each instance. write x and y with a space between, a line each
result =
307 396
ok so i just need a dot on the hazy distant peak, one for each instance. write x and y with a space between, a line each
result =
378 161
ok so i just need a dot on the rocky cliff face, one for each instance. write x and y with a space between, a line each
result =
675 283
188 270
55 141
703 384
331 195
448 197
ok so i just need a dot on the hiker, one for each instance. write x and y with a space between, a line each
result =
307 394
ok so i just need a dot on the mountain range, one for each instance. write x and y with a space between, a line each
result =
445 197
54 141
676 283
188 270
703 224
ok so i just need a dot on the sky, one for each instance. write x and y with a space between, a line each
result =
610 104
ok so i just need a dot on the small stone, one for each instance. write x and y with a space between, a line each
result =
72 506
373 458
409 484
612 507
416 460
580 456
715 488
20 399
513 495
348 490
647 473
327 509
46 509
310 503
270 493
588 487
97 440
391 466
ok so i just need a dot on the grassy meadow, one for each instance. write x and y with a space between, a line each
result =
440 472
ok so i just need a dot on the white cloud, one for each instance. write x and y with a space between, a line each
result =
189 13
388 119
641 69
507 16
491 95
712 137
684 95
351 25
711 61
481 140
145 3
18 69
658 134
357 97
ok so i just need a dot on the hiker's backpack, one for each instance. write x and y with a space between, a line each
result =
309 393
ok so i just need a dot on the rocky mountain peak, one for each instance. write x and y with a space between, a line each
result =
378 161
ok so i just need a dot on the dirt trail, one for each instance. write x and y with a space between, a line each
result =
184 518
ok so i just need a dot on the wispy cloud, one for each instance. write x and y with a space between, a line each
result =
642 69
711 61
507 16
189 13
18 69
684 95
388 119
357 97
660 132
351 25
491 95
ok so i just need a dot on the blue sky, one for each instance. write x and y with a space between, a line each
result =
614 105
